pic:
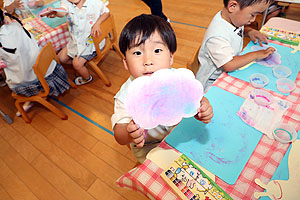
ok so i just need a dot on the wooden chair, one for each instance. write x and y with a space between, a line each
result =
45 57
194 64
108 31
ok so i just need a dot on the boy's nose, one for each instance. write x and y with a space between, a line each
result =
148 60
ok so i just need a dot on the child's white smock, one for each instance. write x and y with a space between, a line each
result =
19 65
222 41
121 116
81 21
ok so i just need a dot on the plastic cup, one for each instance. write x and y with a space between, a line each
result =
281 71
259 80
285 85
284 133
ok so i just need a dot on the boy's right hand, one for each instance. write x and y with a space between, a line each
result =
262 54
136 133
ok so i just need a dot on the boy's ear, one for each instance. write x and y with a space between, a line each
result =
232 6
172 59
125 63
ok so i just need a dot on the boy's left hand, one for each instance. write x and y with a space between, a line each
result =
205 112
96 31
257 35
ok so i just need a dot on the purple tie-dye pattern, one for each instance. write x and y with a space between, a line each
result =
271 61
163 98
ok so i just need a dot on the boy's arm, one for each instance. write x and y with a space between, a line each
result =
242 60
96 31
255 35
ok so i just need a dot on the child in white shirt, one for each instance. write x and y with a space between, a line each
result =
223 40
84 18
148 43
19 51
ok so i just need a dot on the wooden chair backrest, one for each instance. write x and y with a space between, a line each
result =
194 64
108 31
42 63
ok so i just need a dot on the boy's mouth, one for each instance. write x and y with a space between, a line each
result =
147 73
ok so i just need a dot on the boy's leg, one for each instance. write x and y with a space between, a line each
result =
79 65
156 7
63 56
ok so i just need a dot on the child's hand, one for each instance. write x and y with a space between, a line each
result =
136 133
205 112
256 35
18 4
96 31
48 12
262 54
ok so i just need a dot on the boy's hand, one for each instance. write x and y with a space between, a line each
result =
136 133
48 12
96 31
18 4
205 112
262 54
256 35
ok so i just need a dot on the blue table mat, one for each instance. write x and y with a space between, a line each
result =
223 146
288 59
52 22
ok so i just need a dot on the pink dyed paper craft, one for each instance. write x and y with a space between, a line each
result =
164 98
271 61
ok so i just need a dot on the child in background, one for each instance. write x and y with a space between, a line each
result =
223 40
148 43
19 51
13 5
84 18
156 8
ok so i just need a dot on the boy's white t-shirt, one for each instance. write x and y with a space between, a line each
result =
80 23
121 116
222 41
19 65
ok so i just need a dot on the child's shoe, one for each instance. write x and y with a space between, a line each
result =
81 81
27 105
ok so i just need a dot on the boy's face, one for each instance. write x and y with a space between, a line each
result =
149 57
240 17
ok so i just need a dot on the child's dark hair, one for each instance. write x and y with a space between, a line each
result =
143 26
246 3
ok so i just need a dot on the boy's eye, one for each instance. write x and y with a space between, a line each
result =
137 53
157 50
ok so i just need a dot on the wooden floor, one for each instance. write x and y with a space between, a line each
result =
77 159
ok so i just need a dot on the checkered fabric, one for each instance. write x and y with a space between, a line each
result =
262 163
58 36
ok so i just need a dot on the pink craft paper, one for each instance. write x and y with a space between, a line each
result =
270 61
164 98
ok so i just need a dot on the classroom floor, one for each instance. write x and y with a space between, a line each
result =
78 158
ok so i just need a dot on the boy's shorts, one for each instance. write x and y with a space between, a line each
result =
90 57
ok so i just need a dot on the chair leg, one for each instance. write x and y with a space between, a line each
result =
116 49
22 111
55 110
72 84
99 73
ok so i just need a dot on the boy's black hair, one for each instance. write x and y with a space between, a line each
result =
2 14
246 3
143 26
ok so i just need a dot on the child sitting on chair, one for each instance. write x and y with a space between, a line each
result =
19 50
223 40
148 43
84 18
